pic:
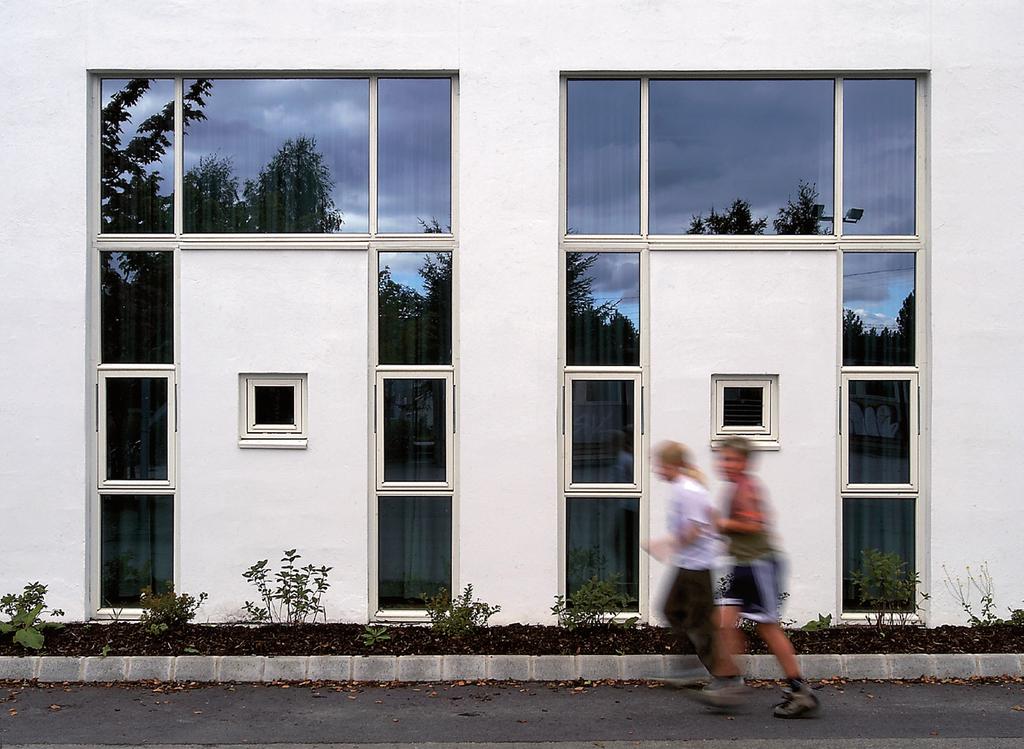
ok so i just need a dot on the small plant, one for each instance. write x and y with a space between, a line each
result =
163 612
964 590
460 615
23 611
1017 617
596 602
296 597
824 621
886 589
372 635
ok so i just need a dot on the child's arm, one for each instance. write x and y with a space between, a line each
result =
746 514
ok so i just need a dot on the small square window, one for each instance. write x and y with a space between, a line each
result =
272 410
745 405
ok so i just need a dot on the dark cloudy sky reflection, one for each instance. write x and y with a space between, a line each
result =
615 278
413 153
249 120
875 285
714 141
878 154
159 95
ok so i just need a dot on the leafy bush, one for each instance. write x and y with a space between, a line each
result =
886 589
1017 617
460 615
596 602
22 611
296 598
824 621
981 584
163 612
371 635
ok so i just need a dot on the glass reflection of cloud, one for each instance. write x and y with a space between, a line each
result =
405 267
158 96
876 284
615 279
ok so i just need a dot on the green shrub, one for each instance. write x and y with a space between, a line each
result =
964 591
23 611
296 597
163 612
596 602
824 621
886 589
457 616
1017 617
371 635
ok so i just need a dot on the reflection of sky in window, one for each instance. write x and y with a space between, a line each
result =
875 285
405 268
715 141
249 120
615 278
413 153
878 155
603 158
159 95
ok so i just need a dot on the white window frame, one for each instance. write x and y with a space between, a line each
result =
414 487
251 434
631 375
763 437
129 372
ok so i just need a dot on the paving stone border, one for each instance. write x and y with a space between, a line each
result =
420 668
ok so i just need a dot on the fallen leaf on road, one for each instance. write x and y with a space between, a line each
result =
522 721
12 712
1018 708
55 707
197 712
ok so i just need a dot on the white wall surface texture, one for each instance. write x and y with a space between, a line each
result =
237 506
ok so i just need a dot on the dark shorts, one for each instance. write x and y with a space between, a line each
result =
755 587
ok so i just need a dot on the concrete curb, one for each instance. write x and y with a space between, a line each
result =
420 668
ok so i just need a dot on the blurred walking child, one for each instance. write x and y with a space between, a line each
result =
692 546
753 590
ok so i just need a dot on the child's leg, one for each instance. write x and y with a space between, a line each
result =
701 622
730 641
781 648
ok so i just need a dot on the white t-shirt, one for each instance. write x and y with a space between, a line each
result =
689 503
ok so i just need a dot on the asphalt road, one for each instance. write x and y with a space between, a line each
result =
857 714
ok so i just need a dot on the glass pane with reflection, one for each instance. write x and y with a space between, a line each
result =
136 547
414 308
277 155
414 155
137 156
879 428
603 541
414 430
602 432
137 307
414 550
880 525
741 156
879 308
879 156
603 157
602 308
743 407
136 423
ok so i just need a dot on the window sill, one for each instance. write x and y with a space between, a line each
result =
755 444
280 443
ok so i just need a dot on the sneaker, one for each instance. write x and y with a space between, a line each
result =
800 703
723 693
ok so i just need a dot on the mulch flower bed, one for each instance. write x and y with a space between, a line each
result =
121 638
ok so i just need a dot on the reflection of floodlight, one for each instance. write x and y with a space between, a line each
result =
853 215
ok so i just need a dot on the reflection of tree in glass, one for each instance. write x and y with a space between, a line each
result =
796 217
129 188
879 346
414 326
596 333
433 226
134 332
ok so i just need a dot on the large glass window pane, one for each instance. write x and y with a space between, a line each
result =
414 550
136 423
603 541
879 132
878 308
414 430
602 308
137 156
602 432
879 431
603 157
277 155
414 155
883 525
414 308
136 547
741 157
137 307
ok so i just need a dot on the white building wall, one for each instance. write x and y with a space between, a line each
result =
237 505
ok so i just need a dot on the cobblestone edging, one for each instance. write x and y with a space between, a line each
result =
412 668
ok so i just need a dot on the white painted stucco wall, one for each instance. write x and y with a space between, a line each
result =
508 56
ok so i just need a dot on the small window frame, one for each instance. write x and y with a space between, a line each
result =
251 434
894 375
129 372
764 436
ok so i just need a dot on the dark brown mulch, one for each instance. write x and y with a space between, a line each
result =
344 639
